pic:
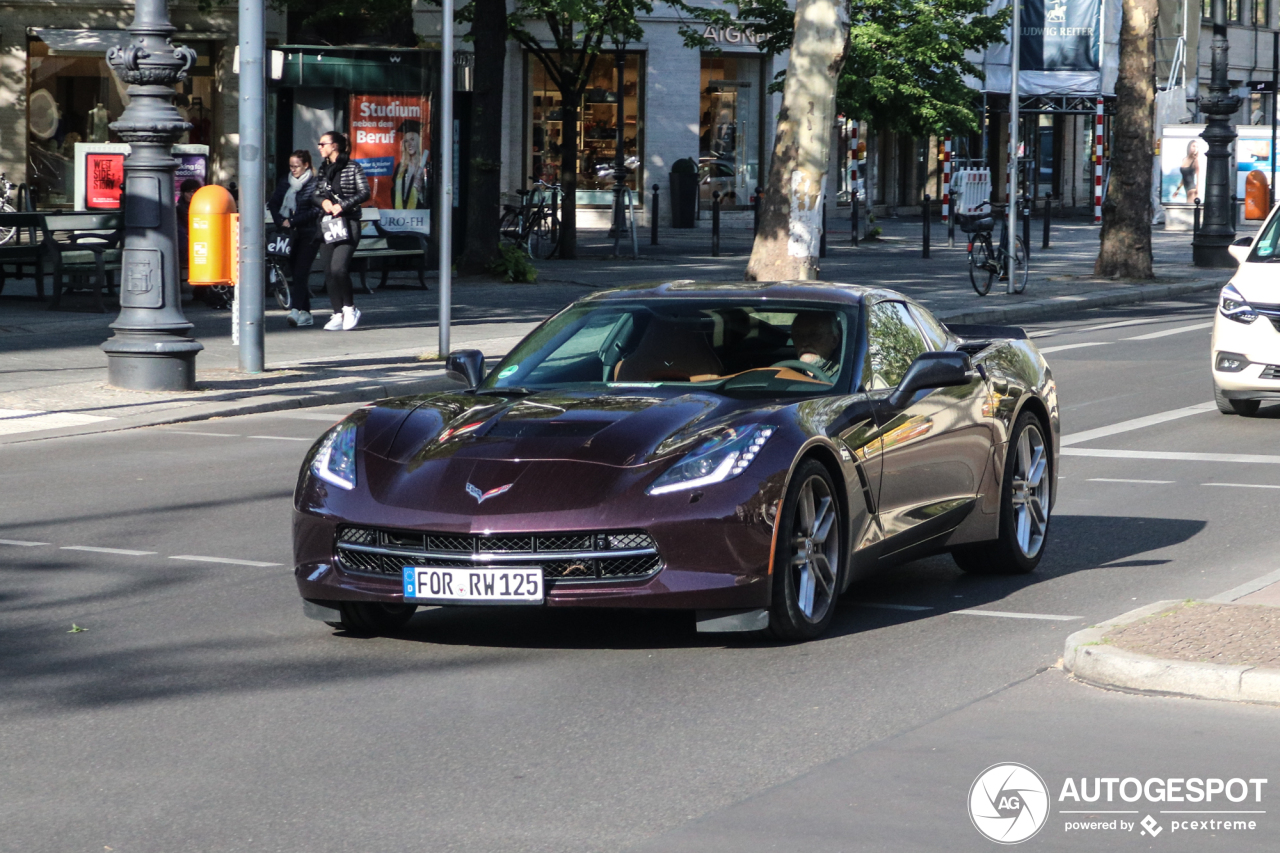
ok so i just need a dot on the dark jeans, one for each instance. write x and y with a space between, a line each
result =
335 258
302 254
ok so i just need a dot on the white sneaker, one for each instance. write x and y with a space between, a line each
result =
304 319
293 316
335 322
350 318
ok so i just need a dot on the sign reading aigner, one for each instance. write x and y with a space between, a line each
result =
1061 35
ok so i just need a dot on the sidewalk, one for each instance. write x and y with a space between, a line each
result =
53 373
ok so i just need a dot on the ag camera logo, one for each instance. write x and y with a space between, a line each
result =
1008 803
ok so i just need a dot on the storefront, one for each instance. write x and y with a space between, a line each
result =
730 129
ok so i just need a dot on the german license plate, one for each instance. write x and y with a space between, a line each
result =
473 586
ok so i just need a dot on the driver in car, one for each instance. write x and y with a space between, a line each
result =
816 336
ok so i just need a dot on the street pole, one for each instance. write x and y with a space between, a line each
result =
446 174
1011 229
1275 86
152 348
619 170
1218 229
252 204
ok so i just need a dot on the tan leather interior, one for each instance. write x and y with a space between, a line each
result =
669 352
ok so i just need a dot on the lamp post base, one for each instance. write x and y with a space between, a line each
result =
1213 254
152 363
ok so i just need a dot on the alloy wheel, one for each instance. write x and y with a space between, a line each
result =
1030 489
815 549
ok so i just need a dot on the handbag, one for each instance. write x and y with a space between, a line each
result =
334 229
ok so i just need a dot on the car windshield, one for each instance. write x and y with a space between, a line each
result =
1268 246
747 347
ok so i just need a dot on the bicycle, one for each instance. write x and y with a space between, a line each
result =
987 263
533 226
220 296
6 190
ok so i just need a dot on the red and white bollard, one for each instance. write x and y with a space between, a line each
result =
946 180
1097 165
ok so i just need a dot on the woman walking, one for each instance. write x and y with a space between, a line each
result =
293 207
341 188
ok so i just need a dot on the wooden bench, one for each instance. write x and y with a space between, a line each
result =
90 250
33 252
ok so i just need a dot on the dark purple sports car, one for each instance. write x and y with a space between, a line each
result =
743 451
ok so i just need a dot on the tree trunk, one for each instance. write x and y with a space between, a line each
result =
786 246
569 175
484 186
1126 214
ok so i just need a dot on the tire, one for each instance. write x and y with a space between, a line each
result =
1247 408
1021 267
279 285
544 239
509 229
980 274
218 296
1025 495
7 234
808 565
371 619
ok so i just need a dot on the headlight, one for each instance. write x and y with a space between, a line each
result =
1235 307
720 458
335 462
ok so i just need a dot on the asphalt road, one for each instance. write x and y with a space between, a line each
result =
199 710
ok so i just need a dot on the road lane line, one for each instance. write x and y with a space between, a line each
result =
198 559
125 551
1150 336
212 434
881 606
1120 324
320 416
1249 458
1044 350
1043 333
1242 485
1138 423
1007 614
280 438
21 543
1118 480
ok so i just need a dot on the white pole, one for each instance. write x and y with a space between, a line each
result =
446 174
1012 232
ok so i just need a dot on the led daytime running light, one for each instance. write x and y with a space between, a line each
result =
1234 306
335 462
726 455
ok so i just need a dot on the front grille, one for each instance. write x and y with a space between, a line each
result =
603 555
1271 312
1271 371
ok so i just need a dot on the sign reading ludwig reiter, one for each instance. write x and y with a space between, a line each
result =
1061 35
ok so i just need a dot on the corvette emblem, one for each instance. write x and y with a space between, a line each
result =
481 497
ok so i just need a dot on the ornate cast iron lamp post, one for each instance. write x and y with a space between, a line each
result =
1218 228
152 349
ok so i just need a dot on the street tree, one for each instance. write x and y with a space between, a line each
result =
488 20
1126 214
577 29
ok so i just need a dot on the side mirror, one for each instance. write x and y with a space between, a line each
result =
465 365
1240 249
932 370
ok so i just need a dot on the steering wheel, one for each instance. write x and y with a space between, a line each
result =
811 369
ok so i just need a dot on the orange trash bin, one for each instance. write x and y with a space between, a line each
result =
212 237
1256 196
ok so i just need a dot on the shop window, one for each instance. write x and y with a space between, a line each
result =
731 106
597 128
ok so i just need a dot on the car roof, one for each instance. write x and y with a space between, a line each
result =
809 291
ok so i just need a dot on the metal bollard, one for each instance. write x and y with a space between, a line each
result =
951 221
1048 208
928 220
822 238
1195 224
853 215
755 212
1027 201
653 218
715 224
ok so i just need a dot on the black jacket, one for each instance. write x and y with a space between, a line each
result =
343 182
307 215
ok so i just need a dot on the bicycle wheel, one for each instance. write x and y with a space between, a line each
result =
1021 268
544 239
981 269
278 285
509 229
7 234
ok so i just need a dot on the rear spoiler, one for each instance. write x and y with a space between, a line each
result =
987 333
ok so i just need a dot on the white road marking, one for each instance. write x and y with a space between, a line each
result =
1117 480
281 438
1006 614
1247 588
892 606
1075 346
21 543
213 434
125 551
1122 323
314 416
1242 485
1177 331
1043 333
197 559
1138 423
13 421
1249 458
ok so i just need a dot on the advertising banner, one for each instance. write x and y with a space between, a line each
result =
190 167
390 139
1182 164
1061 35
104 175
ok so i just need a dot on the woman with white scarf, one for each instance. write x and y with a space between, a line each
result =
294 209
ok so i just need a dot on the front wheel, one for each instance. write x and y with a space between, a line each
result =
371 619
509 228
1024 507
1246 408
544 239
981 268
808 557
7 234
279 285
1021 267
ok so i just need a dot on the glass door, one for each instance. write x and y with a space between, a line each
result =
729 141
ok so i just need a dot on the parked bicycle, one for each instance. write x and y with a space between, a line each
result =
220 296
986 264
533 226
6 190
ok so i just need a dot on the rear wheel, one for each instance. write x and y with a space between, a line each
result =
807 567
1021 268
6 234
544 239
981 267
1234 407
369 618
1024 507
279 285
509 229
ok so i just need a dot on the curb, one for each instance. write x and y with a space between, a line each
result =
1091 660
1039 309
